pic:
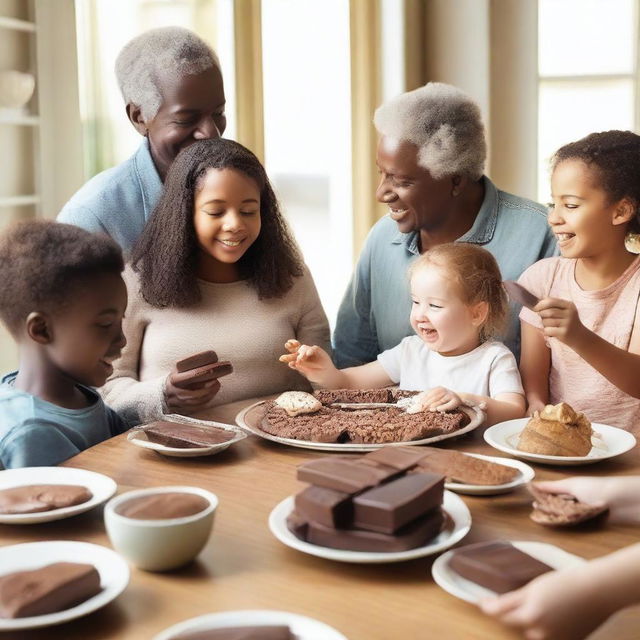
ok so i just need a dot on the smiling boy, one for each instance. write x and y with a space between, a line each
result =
63 300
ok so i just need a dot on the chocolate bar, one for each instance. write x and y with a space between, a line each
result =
349 476
394 504
196 361
498 566
326 506
265 632
36 498
163 506
52 588
184 436
202 374
520 295
412 535
400 458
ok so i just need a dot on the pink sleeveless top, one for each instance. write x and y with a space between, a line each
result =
608 312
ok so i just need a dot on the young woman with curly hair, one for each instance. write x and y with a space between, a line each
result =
216 268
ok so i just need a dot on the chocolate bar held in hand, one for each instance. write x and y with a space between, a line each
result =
186 436
263 632
52 588
498 566
519 294
196 361
198 376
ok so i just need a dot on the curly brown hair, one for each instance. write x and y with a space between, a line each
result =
615 157
44 263
166 254
478 277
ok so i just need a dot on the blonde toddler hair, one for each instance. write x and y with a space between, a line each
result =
478 279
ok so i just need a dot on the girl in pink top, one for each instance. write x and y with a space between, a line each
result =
581 342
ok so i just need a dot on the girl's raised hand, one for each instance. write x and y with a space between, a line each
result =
560 320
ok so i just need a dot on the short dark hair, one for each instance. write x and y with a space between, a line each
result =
166 254
43 263
615 156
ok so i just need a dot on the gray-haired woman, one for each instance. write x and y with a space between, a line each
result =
431 158
172 87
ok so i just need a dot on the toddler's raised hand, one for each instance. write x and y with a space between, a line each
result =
313 362
560 320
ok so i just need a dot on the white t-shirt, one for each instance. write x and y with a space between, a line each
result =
488 370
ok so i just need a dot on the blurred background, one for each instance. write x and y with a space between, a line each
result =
302 79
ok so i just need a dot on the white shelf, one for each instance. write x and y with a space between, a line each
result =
18 201
17 25
14 116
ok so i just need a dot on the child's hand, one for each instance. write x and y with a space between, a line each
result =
311 361
560 320
621 494
436 399
560 604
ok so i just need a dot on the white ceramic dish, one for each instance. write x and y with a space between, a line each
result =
251 417
455 531
526 475
302 627
471 592
102 487
159 545
113 570
138 437
608 443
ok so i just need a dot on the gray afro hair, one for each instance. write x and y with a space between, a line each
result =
168 50
444 123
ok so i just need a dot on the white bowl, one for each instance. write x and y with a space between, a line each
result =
159 545
16 88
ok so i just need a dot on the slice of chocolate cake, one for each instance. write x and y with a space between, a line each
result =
184 436
561 510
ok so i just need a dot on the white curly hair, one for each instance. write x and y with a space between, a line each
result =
167 50
444 123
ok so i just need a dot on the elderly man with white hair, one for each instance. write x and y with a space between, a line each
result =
172 87
431 157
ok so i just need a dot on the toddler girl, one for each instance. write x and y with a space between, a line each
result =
458 305
580 343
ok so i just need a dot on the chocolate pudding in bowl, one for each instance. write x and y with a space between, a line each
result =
160 528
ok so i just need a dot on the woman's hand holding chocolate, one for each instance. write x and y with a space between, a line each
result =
178 396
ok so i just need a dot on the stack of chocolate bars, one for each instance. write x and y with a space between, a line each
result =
369 503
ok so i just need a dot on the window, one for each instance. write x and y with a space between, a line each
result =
588 73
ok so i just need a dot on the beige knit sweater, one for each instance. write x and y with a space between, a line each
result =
231 320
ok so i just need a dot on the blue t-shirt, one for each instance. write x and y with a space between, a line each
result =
36 433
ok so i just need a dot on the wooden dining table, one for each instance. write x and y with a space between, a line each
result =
244 566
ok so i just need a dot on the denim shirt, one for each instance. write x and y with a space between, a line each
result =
374 313
118 201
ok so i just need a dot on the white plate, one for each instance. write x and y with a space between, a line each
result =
459 587
455 531
302 627
113 570
610 443
251 417
526 475
102 487
138 437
